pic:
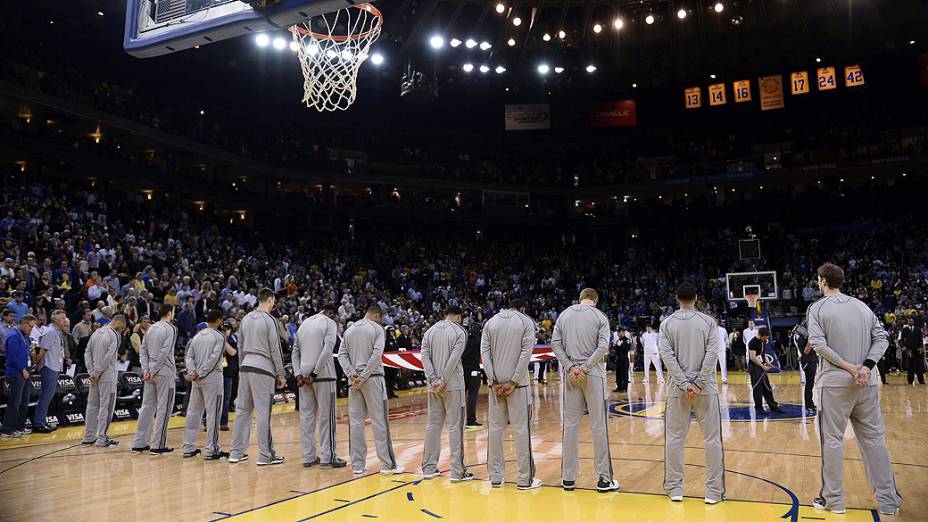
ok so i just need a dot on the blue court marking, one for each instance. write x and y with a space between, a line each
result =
300 492
340 500
427 512
326 512
409 496
370 516
221 513
732 412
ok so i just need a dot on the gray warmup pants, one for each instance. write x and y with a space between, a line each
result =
157 406
588 395
101 401
317 406
255 394
205 395
370 401
676 426
445 406
862 406
517 410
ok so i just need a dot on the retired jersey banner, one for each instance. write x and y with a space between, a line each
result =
826 78
528 117
853 76
717 94
693 97
742 90
771 92
619 113
799 82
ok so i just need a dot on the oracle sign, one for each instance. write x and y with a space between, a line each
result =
618 113
528 117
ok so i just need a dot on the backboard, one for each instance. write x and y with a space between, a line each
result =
764 284
157 27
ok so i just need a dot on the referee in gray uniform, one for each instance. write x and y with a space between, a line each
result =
314 364
581 343
359 356
204 371
100 359
442 347
689 347
160 374
260 373
506 347
850 340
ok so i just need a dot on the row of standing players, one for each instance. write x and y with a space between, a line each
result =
841 329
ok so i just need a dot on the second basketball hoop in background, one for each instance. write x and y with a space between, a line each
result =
332 52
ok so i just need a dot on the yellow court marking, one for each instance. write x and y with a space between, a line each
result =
404 497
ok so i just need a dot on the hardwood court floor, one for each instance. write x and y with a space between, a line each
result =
772 470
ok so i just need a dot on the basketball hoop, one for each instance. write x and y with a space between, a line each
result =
752 300
330 60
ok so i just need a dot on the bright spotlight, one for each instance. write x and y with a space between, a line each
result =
681 14
561 34
330 54
818 60
597 28
454 42
470 43
911 42
719 7
546 37
634 86
736 20
543 68
279 43
618 23
346 55
511 42
484 69
500 8
468 67
558 70
712 76
649 19
500 69
294 47
262 40
377 59
437 42
484 46
517 21
591 68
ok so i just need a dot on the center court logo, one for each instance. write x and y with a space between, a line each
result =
732 412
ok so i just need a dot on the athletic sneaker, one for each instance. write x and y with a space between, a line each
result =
337 463
192 454
427 476
819 503
607 485
88 442
275 460
713 501
235 460
216 456
463 478
358 471
27 431
160 451
889 512
311 463
676 498
44 429
536 483
568 485
224 428
136 451
108 443
394 471
777 409
11 434
496 484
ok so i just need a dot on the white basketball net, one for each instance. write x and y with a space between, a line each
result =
330 59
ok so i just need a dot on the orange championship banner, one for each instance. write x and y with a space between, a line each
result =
826 78
618 113
742 90
771 92
717 94
799 82
693 97
853 76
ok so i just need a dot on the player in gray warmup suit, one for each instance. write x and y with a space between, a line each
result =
442 347
314 365
160 375
850 340
506 347
689 347
100 359
260 373
204 370
359 356
581 344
